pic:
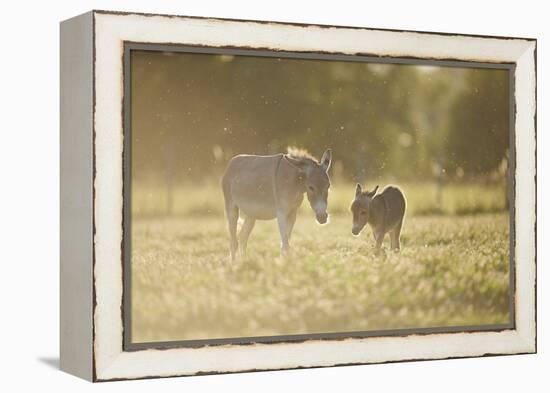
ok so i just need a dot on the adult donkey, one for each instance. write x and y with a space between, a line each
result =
268 187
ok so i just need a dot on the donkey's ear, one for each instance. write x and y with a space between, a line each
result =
373 192
326 160
358 190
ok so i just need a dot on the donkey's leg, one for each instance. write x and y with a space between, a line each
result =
395 235
247 227
232 213
291 218
282 221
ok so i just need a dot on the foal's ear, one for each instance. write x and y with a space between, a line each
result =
373 192
358 190
326 160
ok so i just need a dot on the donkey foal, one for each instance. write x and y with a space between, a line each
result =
384 212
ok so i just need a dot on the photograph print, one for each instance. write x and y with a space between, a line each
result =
277 196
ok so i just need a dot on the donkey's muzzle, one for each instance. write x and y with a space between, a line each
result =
322 218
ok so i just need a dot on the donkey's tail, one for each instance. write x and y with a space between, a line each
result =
226 179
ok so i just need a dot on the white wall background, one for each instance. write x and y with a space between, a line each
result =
29 197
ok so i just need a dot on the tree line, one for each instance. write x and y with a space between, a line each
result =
192 112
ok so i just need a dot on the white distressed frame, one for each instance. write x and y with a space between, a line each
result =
111 30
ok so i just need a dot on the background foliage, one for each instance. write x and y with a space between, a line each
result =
192 112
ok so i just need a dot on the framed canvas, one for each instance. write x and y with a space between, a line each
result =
245 195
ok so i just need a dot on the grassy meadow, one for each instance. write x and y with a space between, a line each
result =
453 268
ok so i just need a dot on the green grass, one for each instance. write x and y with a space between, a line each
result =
452 270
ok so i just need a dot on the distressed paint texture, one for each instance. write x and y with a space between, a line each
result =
113 29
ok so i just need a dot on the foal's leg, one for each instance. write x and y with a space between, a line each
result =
232 213
379 236
247 227
395 234
394 240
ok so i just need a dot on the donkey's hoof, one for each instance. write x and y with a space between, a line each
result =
285 255
233 257
380 252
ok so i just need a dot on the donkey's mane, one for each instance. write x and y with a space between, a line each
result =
300 154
